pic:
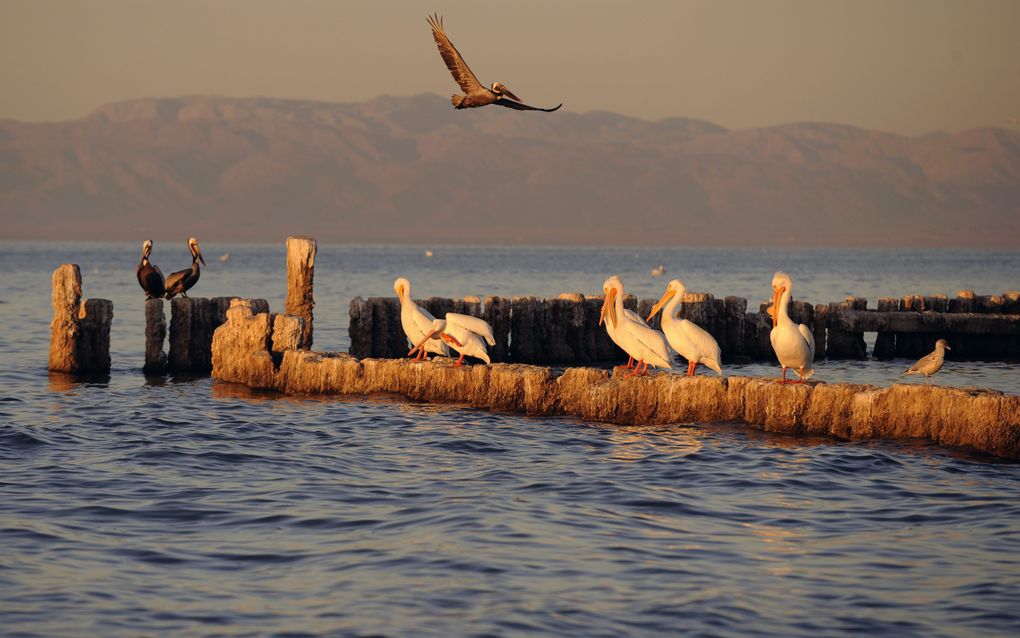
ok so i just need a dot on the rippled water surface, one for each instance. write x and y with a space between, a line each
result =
185 507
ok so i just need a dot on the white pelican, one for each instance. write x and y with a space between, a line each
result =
688 338
612 331
658 271
646 345
463 333
931 363
793 342
416 321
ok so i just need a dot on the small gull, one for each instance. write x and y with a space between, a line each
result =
931 363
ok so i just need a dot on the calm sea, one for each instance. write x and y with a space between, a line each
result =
184 507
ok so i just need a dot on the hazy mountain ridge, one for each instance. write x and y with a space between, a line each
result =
408 169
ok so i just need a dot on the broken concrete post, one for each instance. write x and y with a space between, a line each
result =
193 320
911 345
840 344
820 329
155 336
735 308
497 313
300 271
64 327
885 343
288 333
80 330
241 348
94 321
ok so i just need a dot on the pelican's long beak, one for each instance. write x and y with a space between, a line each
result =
198 253
662 302
450 339
609 306
421 343
508 93
774 310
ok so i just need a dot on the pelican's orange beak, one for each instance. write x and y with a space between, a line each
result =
609 307
450 339
774 310
420 344
662 302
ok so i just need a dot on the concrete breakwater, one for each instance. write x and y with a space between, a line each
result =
565 330
248 349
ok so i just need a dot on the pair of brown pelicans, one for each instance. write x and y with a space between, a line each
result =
150 278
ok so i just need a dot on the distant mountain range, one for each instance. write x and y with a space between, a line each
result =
411 169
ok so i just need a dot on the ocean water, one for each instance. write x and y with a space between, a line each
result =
182 506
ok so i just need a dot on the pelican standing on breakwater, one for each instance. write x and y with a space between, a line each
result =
686 337
930 363
463 333
475 94
150 277
417 322
793 343
645 344
180 282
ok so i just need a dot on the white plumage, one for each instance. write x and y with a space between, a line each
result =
646 345
793 343
416 321
689 339
464 333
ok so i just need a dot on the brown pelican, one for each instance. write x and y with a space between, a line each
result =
931 363
178 283
150 278
474 93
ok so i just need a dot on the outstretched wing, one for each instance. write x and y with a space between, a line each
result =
458 67
478 326
520 106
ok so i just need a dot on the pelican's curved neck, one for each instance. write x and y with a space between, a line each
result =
783 316
672 307
618 301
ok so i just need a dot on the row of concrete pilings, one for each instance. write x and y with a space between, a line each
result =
558 331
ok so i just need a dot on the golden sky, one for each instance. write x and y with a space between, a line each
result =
906 66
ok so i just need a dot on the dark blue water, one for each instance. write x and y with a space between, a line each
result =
184 507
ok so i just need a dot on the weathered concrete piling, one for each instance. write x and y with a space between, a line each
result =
193 320
565 330
80 330
985 420
300 272
155 336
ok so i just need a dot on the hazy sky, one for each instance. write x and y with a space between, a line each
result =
908 66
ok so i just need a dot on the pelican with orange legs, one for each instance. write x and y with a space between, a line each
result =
793 343
689 339
646 345
416 321
464 333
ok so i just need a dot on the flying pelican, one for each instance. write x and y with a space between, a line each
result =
931 363
416 321
180 282
463 333
150 277
688 338
793 343
474 93
646 345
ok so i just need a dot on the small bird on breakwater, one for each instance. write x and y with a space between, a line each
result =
930 363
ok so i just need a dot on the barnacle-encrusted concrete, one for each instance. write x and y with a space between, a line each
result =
982 419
